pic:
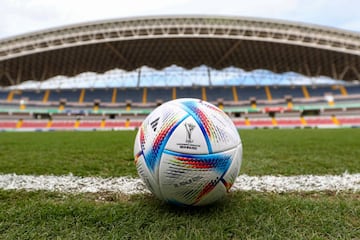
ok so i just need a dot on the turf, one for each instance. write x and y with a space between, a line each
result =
106 154
241 215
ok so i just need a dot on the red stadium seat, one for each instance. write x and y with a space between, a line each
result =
89 124
34 124
7 124
63 124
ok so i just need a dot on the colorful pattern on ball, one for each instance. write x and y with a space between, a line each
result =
188 152
203 121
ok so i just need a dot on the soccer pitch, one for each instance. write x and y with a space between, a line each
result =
240 215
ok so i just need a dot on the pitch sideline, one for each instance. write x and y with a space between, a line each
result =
127 185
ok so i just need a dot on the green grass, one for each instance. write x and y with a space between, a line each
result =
241 215
285 152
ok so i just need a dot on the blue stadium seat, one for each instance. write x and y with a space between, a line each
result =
188 92
33 95
319 91
214 93
4 94
245 93
279 92
133 94
71 95
155 94
104 95
353 89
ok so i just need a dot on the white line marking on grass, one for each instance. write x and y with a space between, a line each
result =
126 185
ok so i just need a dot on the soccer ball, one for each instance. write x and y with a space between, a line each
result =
188 152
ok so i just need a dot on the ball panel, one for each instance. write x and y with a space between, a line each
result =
188 178
187 138
218 129
234 169
148 177
155 132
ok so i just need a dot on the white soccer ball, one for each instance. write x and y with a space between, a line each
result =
188 152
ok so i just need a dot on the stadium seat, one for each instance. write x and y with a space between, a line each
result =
289 122
32 95
89 124
349 120
104 95
37 124
6 125
71 95
63 124
4 95
215 93
319 121
245 93
159 94
114 124
188 92
133 94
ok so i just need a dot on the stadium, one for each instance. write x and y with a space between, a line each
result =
296 84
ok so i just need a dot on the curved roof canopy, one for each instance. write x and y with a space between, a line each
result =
187 41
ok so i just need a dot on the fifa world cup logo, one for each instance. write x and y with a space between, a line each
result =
189 128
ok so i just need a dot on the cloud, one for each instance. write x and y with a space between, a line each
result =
19 16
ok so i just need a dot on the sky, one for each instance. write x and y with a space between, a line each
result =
26 16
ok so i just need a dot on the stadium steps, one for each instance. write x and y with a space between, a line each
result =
335 120
343 91
49 124
235 95
268 93
114 95
103 123
19 123
274 121
174 93
203 94
247 122
82 95
10 96
305 92
303 121
144 97
46 96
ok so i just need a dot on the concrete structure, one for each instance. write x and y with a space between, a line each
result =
188 41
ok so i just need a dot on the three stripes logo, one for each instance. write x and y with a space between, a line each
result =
154 124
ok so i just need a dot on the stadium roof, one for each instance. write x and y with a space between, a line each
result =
186 41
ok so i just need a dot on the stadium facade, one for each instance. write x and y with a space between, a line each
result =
186 41
212 43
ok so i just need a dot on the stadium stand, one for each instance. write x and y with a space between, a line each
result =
103 95
119 108
280 92
245 93
353 90
70 95
225 93
3 94
159 94
130 94
190 92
